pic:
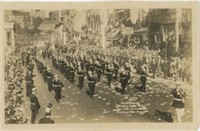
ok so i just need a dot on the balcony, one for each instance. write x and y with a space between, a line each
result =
163 19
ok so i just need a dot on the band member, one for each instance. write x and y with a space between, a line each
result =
57 86
91 83
109 74
30 67
49 78
87 64
143 81
123 80
116 69
44 71
178 102
91 66
35 105
103 65
81 76
81 63
47 118
128 72
67 74
98 70
72 73
29 83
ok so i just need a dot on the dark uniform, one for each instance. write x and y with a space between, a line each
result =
87 64
46 120
109 75
35 106
103 65
72 74
128 73
91 85
53 61
123 81
116 69
91 67
67 73
81 76
143 80
29 84
178 98
57 86
49 76
61 66
98 71
44 71
82 64
30 67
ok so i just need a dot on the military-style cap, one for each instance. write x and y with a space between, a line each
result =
49 105
33 89
48 111
178 83
56 76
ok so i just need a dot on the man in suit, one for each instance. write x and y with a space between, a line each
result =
47 118
35 105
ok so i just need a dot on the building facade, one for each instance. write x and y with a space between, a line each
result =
54 16
170 24
37 14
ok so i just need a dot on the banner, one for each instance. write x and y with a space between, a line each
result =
127 30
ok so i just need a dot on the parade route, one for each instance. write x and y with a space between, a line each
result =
77 106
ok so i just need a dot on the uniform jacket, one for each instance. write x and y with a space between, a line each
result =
46 120
35 105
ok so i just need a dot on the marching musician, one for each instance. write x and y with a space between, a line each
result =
49 76
91 83
57 86
98 70
109 74
81 76
123 80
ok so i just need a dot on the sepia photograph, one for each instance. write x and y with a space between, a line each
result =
98 65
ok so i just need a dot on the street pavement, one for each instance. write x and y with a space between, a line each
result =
77 107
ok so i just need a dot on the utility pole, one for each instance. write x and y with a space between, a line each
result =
177 31
103 26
